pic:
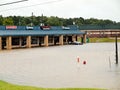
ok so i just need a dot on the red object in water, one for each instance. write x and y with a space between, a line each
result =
78 59
84 62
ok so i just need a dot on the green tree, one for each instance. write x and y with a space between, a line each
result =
69 21
1 20
16 20
108 22
36 20
79 21
28 21
54 21
8 21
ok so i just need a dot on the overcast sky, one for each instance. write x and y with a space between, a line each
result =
101 9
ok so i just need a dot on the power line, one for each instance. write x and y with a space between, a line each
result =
13 2
49 2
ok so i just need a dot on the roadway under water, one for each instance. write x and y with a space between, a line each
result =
57 66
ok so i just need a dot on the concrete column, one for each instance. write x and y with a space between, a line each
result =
9 43
53 41
28 42
65 40
20 41
84 38
0 43
38 41
46 40
61 39
73 38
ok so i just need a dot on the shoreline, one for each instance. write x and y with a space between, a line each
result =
5 86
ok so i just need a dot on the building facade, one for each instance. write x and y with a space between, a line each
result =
101 31
27 37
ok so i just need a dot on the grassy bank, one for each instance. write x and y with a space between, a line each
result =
8 86
94 40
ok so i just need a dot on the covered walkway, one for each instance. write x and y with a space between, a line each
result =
27 37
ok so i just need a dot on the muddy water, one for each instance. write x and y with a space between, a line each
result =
57 66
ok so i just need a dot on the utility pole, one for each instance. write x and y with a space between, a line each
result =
116 50
42 20
32 20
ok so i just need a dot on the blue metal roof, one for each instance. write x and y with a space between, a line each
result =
38 32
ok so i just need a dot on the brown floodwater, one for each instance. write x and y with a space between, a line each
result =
58 66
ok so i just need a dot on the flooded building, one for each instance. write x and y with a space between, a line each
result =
101 31
27 37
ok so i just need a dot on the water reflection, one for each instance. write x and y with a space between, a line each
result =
58 66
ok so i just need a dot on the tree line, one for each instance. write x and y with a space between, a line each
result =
52 21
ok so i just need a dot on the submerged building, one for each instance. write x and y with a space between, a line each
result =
26 37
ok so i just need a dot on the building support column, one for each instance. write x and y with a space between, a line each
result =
84 38
73 38
20 42
61 39
66 40
9 43
46 40
0 43
28 44
38 41
53 40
